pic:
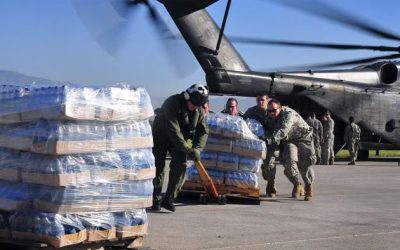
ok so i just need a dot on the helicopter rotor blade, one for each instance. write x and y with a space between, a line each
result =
344 63
261 41
106 21
335 14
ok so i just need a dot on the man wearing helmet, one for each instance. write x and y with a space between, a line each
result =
180 119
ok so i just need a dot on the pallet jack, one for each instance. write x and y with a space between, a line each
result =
211 193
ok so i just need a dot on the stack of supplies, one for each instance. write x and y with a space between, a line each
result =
233 153
75 163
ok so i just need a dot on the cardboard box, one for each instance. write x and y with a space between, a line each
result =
141 174
10 174
129 143
127 204
99 235
10 118
219 144
61 241
13 205
56 180
131 231
68 147
227 165
81 207
15 142
248 152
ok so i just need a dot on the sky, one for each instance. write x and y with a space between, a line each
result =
47 39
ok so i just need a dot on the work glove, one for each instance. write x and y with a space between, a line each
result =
194 154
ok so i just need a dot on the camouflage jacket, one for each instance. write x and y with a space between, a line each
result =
290 127
352 132
328 128
257 114
316 126
175 124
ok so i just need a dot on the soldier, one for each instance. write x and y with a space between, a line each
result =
259 113
294 135
180 119
352 138
316 125
231 108
328 154
268 169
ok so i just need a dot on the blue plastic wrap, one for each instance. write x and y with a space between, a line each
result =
256 127
229 126
216 175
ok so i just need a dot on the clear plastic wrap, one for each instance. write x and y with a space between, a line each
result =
9 165
241 179
209 158
67 229
216 175
55 229
133 164
90 197
229 126
250 164
57 138
16 196
32 102
228 161
131 223
250 148
99 226
256 127
95 197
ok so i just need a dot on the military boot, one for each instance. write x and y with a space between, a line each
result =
168 203
298 190
309 193
270 190
156 205
352 163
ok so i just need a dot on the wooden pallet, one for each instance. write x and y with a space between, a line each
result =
128 243
229 191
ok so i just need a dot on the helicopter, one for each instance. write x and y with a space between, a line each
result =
369 92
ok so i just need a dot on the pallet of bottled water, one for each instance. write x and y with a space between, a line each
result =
233 154
23 103
76 163
61 230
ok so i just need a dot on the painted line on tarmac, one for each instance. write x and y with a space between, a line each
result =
305 240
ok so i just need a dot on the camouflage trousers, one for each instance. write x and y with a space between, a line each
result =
328 154
268 168
298 157
317 148
353 148
177 168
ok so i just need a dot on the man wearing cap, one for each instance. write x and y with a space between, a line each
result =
180 119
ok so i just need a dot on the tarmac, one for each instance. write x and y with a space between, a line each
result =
355 207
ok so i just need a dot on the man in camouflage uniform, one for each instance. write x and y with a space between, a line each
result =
180 119
352 138
316 126
268 169
294 135
328 154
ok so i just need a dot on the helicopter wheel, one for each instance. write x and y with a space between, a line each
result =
203 199
222 199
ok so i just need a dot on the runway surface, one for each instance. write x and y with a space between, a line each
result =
355 207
